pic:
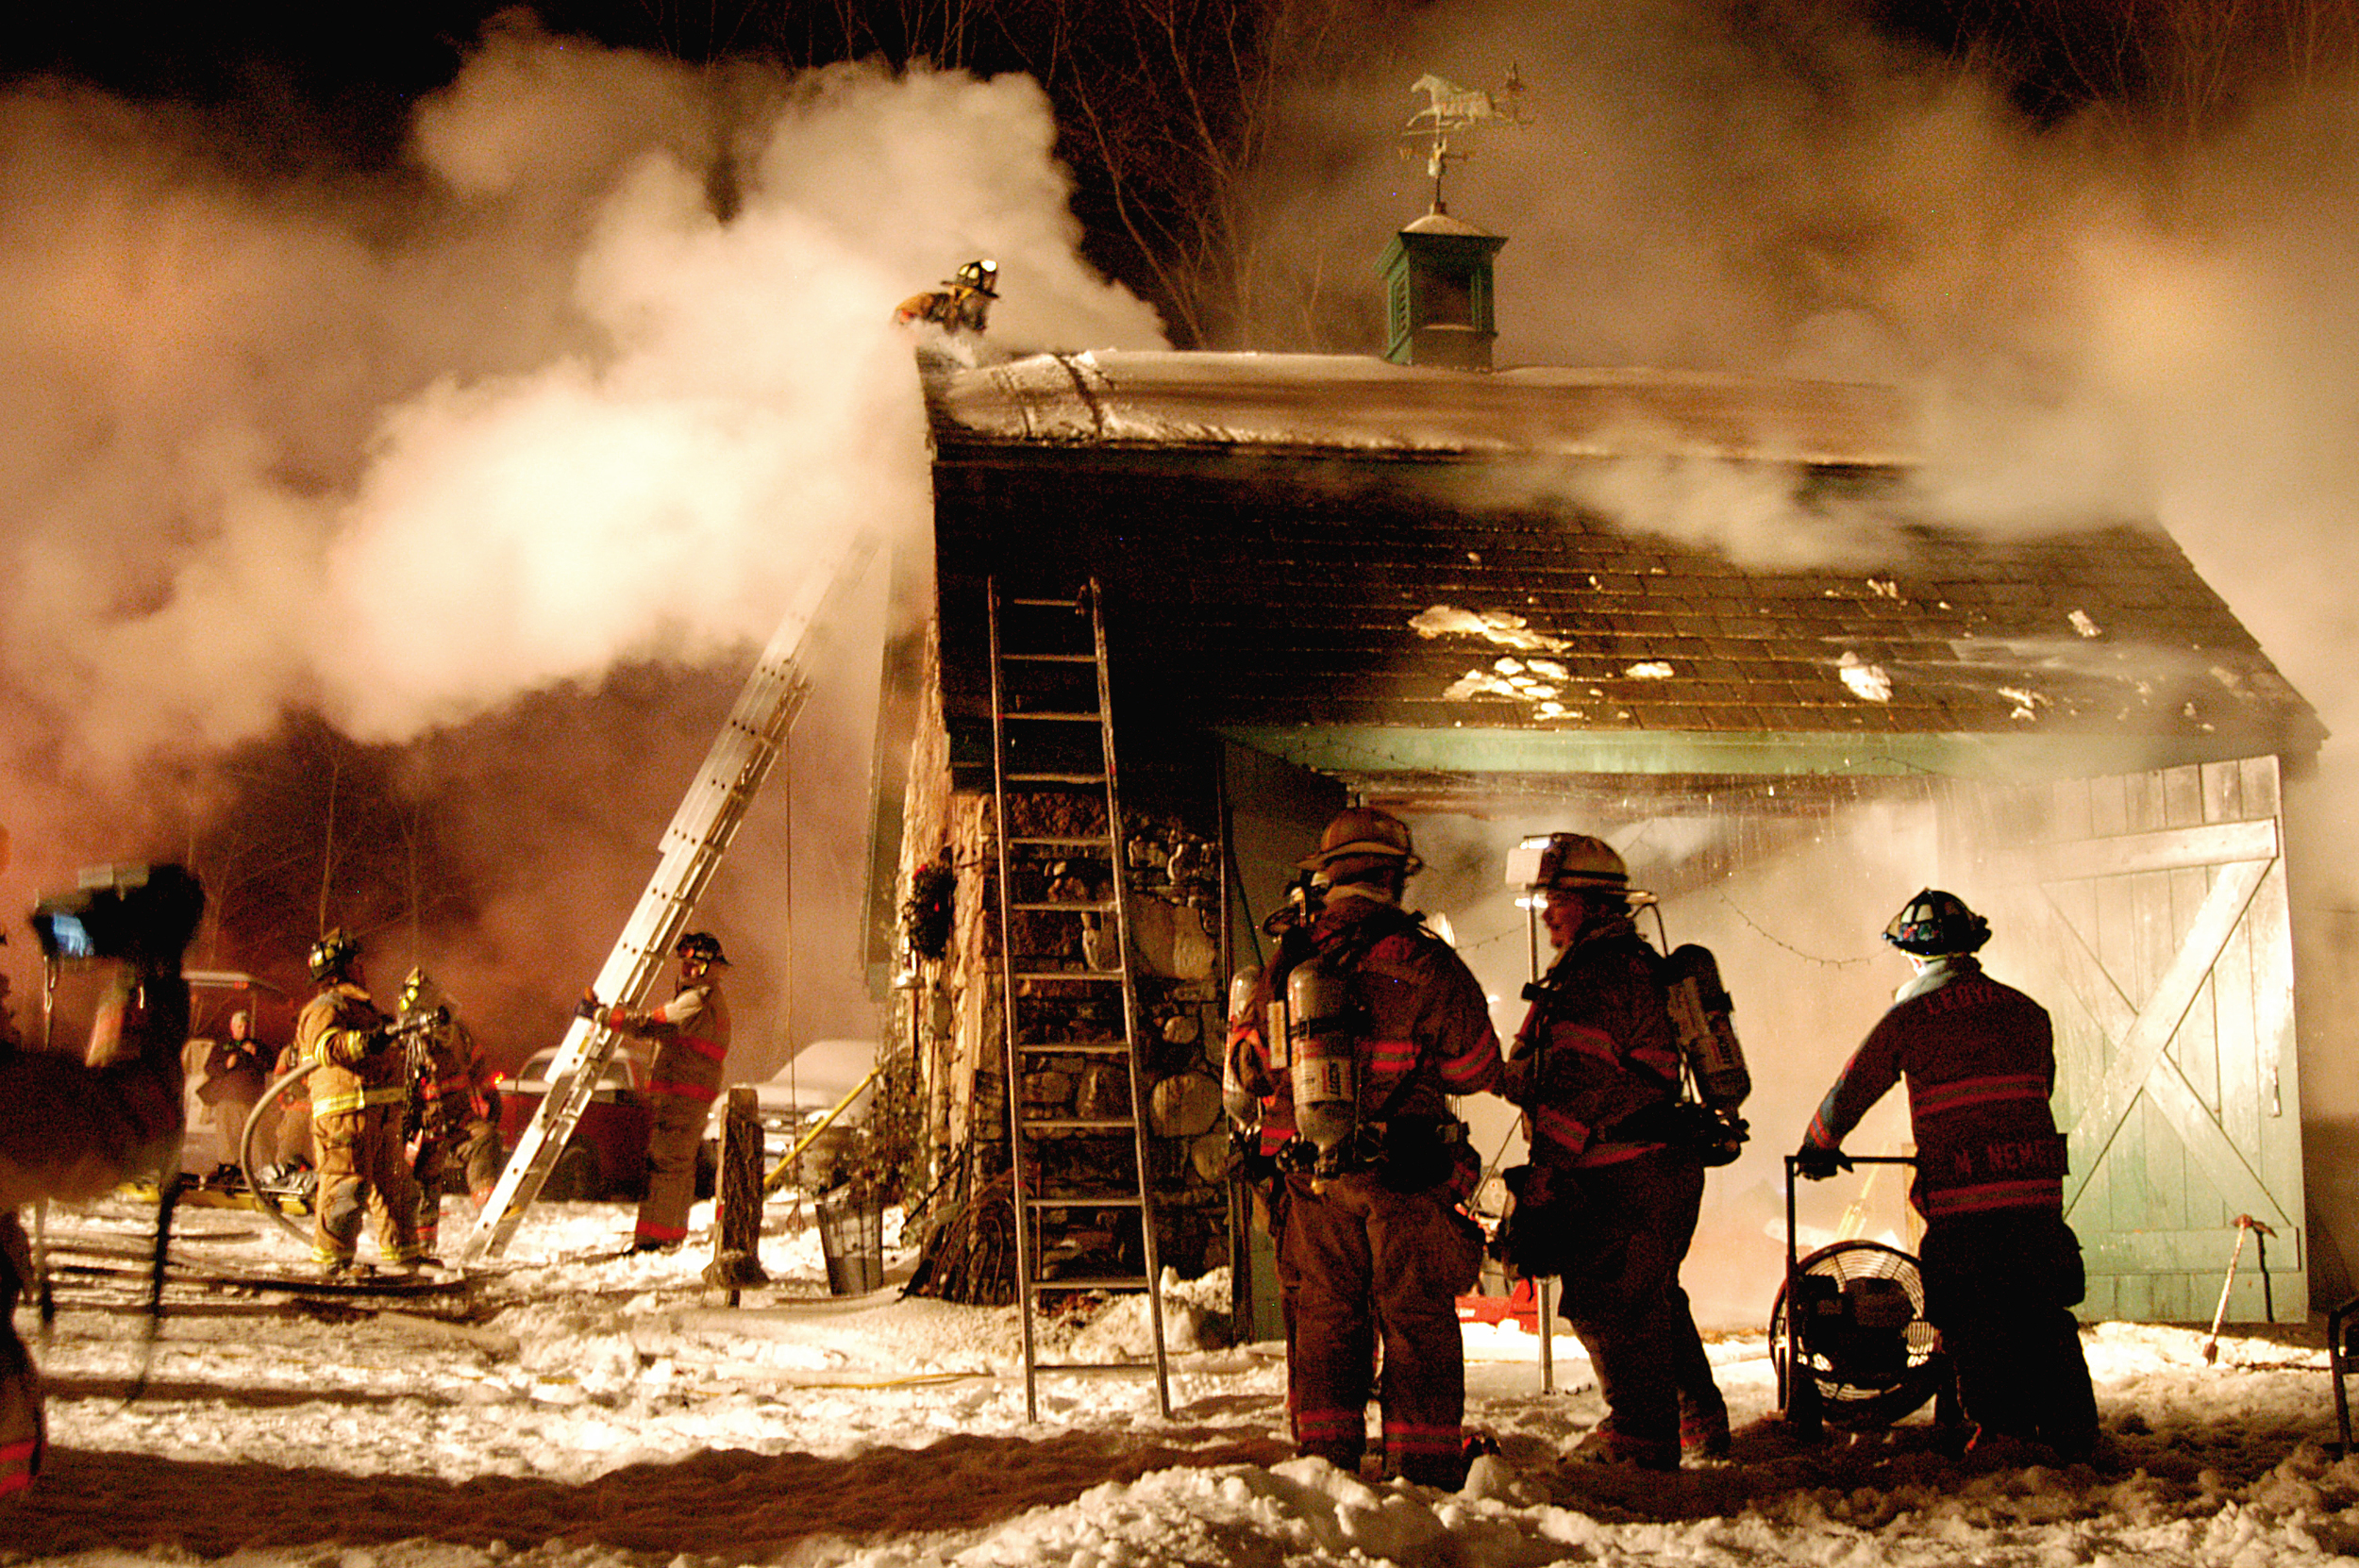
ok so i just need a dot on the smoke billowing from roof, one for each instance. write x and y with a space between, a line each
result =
589 376
524 408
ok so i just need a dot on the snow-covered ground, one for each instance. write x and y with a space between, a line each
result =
616 1411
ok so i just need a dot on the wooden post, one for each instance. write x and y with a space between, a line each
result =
737 1199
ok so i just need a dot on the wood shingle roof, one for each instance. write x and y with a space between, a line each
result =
1370 568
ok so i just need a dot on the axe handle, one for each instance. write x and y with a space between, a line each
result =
2226 1285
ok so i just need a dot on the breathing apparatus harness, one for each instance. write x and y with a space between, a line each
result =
1712 1081
1312 1027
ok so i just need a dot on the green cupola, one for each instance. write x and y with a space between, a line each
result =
1438 292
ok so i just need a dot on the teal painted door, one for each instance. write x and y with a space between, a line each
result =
2148 914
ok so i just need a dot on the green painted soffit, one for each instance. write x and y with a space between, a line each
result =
1381 748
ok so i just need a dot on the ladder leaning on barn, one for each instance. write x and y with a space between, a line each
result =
1065 970
690 847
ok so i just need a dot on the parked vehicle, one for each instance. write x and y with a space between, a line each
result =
606 1157
786 1115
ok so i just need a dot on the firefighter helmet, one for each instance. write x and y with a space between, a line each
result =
333 955
1935 923
1566 861
417 991
1363 830
699 945
980 275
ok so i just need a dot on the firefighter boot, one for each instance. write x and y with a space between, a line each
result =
1607 1446
1704 1433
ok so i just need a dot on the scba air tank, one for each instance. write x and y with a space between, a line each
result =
1700 1009
1241 1086
1323 1037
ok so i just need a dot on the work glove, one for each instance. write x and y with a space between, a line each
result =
588 1007
1813 1163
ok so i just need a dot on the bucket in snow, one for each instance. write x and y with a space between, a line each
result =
851 1237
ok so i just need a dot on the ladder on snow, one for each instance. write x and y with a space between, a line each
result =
691 849
1065 955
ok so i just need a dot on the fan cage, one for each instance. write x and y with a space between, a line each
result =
1854 1395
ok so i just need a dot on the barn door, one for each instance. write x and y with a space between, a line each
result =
2148 914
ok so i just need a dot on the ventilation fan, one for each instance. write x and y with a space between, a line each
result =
1866 1354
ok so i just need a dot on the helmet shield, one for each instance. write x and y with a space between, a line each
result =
1935 922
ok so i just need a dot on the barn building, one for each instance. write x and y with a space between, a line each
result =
1705 617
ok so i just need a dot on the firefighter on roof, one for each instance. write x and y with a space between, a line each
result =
691 1032
2003 1270
458 1130
962 303
360 1097
1610 1200
1362 1027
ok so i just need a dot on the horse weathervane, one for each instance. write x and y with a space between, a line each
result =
1452 108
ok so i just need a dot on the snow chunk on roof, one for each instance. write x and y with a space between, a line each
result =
1496 625
1867 681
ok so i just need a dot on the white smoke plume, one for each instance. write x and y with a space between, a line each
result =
593 373
526 406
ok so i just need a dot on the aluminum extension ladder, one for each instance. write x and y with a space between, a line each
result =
1062 872
691 849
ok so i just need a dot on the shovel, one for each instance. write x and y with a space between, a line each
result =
2246 1224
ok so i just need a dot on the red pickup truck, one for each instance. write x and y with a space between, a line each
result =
606 1155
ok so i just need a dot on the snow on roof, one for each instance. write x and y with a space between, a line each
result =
1351 403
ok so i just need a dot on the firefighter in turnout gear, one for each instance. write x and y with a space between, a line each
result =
73 1129
360 1099
692 1035
451 1088
962 303
2002 1268
1610 1199
1362 1027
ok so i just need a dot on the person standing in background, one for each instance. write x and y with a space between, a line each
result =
229 1082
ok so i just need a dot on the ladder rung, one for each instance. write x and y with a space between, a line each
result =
1099 977
1006 658
1067 839
1056 716
1055 779
1081 1047
1086 1200
1074 604
1081 1124
1076 905
1093 1282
